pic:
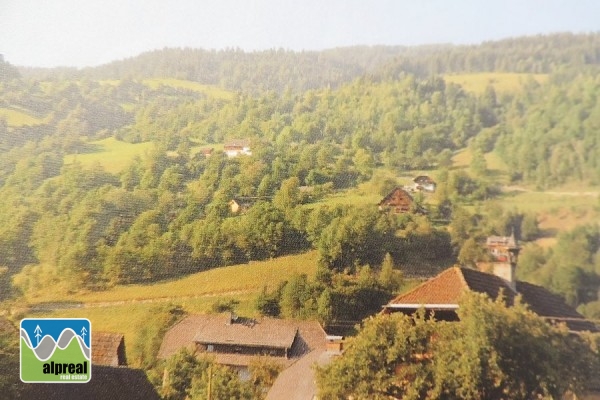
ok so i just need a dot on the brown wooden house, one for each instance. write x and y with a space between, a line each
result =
399 201
236 342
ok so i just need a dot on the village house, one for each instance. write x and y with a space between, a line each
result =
424 183
237 147
237 341
399 201
442 293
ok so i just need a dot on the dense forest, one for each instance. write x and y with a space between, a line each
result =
318 123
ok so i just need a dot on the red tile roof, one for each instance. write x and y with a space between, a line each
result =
444 291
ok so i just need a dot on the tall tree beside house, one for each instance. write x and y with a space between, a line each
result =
492 352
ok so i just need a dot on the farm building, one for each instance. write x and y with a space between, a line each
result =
237 341
399 201
237 147
441 294
424 183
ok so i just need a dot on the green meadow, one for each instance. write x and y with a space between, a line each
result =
241 278
16 118
209 90
112 154
125 309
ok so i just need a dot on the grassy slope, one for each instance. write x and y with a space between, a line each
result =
251 277
110 153
209 90
558 209
16 118
130 306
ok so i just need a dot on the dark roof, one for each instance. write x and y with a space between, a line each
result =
552 307
267 332
114 383
444 292
298 381
308 348
108 349
218 329
423 180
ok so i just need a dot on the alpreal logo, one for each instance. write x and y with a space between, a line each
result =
55 350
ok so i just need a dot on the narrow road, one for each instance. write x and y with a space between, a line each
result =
552 193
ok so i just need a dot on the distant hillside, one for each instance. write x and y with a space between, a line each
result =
539 54
237 70
279 69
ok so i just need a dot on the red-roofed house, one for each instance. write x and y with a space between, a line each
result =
442 293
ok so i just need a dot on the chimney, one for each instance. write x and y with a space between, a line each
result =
504 251
506 271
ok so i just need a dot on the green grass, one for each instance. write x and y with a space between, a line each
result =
242 278
209 90
16 118
129 306
501 82
110 153
547 201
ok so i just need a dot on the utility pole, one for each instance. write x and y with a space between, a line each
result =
209 382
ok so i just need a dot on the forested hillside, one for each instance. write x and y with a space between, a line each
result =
319 125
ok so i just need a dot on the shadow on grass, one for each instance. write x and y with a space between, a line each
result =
89 148
54 305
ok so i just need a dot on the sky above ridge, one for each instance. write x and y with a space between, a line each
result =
83 33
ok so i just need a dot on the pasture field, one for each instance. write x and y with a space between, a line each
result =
230 280
110 153
129 318
16 118
209 90
501 82
125 309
